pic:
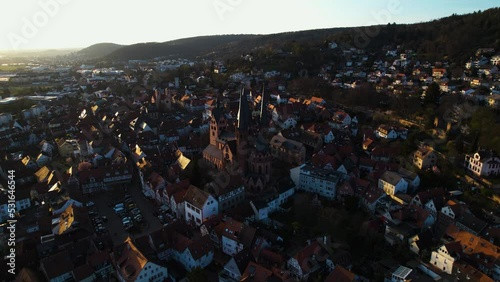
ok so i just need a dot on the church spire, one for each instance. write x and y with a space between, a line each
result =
263 106
243 112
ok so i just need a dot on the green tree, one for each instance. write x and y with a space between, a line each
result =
432 94
197 275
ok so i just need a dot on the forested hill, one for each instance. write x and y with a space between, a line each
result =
456 36
98 50
182 48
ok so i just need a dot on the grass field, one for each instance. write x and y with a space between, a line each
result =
10 68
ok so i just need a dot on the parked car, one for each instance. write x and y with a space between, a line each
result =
118 209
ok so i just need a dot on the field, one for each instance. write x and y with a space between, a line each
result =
10 68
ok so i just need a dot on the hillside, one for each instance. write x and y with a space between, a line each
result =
98 50
456 36
185 48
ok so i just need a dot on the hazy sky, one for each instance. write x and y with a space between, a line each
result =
38 24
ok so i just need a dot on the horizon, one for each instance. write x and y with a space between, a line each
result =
63 24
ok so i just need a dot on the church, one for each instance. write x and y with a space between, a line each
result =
240 144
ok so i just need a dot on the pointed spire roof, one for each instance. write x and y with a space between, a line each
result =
263 106
243 112
217 113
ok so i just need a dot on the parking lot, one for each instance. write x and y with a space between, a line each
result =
124 222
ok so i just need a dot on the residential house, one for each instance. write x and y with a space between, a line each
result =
340 274
287 150
132 265
307 138
420 242
400 274
93 180
174 193
465 272
431 200
176 242
424 157
22 202
154 188
68 147
227 189
483 163
458 215
265 206
233 236
43 160
308 260
199 205
387 132
371 198
57 267
318 101
319 181
445 256
494 101
478 252
438 73
411 177
256 273
235 267
285 115
101 264
398 232
392 183
340 120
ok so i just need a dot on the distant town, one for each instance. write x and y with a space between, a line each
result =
370 166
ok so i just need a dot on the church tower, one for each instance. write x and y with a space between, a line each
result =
264 120
218 123
168 100
242 131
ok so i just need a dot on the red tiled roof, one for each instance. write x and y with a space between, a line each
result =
340 274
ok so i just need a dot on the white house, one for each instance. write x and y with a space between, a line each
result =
495 60
387 132
199 253
444 257
340 119
234 236
319 181
262 208
483 163
177 205
22 202
153 188
235 267
199 205
412 178
132 265
392 183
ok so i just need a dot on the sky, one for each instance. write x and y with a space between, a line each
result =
46 24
